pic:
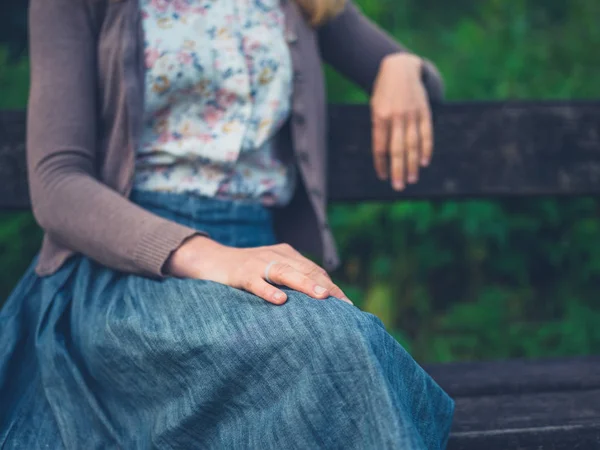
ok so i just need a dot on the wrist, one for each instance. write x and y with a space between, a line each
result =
184 260
405 61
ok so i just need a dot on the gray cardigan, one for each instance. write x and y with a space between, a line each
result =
85 117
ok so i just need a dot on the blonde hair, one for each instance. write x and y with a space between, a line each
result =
320 11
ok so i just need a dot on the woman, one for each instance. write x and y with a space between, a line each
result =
169 306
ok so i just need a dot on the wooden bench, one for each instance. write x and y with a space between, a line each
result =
483 150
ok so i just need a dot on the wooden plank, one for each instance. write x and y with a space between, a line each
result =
585 437
517 376
13 32
557 421
523 404
483 149
13 173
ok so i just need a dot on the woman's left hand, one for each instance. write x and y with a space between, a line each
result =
402 128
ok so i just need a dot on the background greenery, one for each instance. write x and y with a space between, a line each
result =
458 280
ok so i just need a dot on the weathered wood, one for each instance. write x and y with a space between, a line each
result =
556 421
517 376
13 177
482 149
536 404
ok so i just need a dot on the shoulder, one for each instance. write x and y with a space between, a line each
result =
79 14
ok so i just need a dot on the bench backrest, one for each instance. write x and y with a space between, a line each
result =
482 149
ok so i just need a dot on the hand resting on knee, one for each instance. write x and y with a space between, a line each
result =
257 270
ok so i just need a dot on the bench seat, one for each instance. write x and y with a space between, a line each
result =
527 405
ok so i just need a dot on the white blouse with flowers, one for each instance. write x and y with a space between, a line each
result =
218 88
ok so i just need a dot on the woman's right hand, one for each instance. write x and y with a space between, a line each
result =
245 268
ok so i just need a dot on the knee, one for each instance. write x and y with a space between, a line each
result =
330 329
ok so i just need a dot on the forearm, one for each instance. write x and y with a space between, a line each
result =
69 201
356 47
87 217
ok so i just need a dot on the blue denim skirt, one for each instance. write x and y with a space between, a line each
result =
93 358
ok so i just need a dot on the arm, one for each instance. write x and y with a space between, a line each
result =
401 87
69 202
355 47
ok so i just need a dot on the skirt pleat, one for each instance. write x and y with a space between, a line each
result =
93 358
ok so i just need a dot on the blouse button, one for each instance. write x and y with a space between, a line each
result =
316 193
299 119
291 37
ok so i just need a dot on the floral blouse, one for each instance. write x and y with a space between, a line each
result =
218 88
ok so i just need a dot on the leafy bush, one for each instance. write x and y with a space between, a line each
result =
481 279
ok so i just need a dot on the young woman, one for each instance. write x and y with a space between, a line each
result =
176 153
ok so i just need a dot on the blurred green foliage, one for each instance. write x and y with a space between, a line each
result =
456 280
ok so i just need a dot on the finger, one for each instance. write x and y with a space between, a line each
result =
307 267
397 153
321 277
412 147
285 275
426 136
259 287
315 272
381 130
297 260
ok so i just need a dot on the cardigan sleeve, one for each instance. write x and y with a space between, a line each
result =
69 202
355 46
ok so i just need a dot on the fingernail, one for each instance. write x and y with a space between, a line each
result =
412 178
424 162
398 185
279 296
319 290
347 300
